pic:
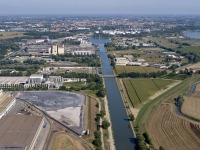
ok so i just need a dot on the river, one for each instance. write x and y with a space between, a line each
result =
123 134
192 34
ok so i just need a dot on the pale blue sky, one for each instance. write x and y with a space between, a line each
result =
99 7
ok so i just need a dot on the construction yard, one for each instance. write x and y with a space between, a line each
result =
65 107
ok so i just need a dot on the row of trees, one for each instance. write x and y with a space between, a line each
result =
20 87
90 60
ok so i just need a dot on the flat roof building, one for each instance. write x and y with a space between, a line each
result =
20 131
36 79
6 103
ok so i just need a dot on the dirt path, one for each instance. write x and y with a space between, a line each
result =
162 91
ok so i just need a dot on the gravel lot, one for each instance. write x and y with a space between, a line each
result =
65 107
53 100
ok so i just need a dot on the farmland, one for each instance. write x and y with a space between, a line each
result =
144 116
192 44
10 35
138 69
125 52
139 90
175 76
190 107
191 104
172 132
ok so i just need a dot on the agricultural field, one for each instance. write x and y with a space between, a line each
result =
10 35
191 104
125 52
65 142
140 90
164 42
193 49
174 76
171 131
193 46
190 107
139 69
153 58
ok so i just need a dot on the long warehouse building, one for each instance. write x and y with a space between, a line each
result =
20 131
7 101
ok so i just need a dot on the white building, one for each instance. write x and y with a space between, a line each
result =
121 61
83 52
36 79
57 50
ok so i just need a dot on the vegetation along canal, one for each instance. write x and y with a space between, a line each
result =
123 134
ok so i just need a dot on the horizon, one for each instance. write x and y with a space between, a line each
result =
152 7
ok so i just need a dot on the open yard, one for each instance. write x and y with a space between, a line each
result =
140 90
139 69
65 142
172 132
10 35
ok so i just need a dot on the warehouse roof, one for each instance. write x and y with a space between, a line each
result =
5 100
18 130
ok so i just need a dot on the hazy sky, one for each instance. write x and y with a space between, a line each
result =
99 7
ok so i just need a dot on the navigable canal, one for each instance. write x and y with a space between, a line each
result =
123 134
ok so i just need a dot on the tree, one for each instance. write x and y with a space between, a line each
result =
102 113
161 148
105 124
101 93
147 138
131 117
63 88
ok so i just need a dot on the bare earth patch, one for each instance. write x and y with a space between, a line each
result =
64 142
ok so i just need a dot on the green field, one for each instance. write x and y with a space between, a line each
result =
193 49
195 44
10 35
125 52
139 69
74 84
175 76
139 90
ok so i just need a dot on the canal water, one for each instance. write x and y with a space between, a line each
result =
123 134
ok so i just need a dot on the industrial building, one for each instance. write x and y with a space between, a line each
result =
57 50
8 81
46 49
20 131
6 103
36 79
83 52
